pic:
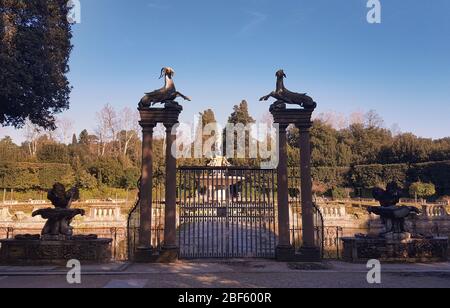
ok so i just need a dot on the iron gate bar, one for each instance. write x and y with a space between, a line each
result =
233 216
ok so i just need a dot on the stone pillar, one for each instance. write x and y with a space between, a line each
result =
150 117
285 250
306 186
284 239
170 248
145 234
309 250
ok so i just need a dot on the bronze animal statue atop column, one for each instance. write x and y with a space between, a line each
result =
165 95
284 96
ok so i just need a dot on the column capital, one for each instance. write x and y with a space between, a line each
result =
153 116
147 127
304 126
299 117
170 125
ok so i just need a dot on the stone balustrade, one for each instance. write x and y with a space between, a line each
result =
331 211
434 211
104 213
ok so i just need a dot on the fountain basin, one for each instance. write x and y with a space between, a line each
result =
426 250
32 250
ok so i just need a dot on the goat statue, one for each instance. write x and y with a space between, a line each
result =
284 96
165 95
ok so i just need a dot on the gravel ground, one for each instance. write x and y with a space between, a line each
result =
229 274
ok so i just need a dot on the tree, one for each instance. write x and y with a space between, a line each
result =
407 148
34 53
53 153
74 140
107 128
324 145
422 190
240 116
32 133
64 128
85 180
129 129
208 119
373 119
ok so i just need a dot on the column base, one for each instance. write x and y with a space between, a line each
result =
309 254
145 255
169 254
285 253
305 254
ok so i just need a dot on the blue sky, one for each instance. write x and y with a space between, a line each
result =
226 51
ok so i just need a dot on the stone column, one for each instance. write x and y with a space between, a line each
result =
150 117
144 248
170 249
285 250
284 242
306 186
309 251
170 227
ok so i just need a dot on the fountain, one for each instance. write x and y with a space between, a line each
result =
395 244
218 183
57 243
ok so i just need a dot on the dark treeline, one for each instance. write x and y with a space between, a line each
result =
364 144
359 155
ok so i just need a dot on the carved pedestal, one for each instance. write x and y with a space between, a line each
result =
43 252
361 250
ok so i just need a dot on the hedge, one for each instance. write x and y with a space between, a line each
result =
331 176
437 173
25 176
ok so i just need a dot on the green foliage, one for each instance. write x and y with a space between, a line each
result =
437 173
34 54
324 145
23 176
130 178
422 190
241 114
10 152
53 153
339 193
51 174
85 180
104 193
331 176
108 172
369 176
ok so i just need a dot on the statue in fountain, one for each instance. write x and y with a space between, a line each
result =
396 244
59 219
56 244
392 215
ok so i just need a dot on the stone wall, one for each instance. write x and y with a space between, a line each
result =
109 220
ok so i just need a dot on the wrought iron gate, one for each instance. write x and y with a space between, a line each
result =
226 212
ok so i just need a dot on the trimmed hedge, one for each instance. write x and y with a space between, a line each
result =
25 176
437 173
368 176
331 176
